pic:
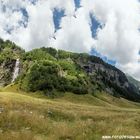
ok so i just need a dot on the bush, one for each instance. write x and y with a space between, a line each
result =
38 54
42 75
50 50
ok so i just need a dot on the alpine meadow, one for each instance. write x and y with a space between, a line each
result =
69 70
63 95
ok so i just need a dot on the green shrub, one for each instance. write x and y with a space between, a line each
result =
38 54
42 75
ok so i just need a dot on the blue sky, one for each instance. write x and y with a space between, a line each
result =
77 4
105 28
58 14
33 1
109 61
24 22
95 25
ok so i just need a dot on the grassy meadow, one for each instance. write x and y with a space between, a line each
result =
70 117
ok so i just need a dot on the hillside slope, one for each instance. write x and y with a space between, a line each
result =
52 71
134 81
71 117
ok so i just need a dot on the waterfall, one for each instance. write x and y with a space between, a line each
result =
16 70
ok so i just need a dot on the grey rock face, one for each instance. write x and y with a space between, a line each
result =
114 80
6 70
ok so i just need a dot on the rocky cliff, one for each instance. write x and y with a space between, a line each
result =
9 52
115 81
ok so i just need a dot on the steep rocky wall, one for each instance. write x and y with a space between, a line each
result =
112 78
6 71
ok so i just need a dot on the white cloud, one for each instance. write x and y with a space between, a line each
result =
118 40
75 34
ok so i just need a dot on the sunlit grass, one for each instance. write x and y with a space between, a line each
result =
71 117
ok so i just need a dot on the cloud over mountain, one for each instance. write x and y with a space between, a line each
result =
110 27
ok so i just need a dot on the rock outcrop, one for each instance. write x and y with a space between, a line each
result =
112 79
9 53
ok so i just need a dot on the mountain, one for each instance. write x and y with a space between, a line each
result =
50 71
134 81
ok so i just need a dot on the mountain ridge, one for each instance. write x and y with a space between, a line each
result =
49 70
133 81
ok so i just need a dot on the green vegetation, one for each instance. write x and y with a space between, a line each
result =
27 117
9 51
46 76
84 96
38 54
48 70
41 76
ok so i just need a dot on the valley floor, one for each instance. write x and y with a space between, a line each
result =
71 117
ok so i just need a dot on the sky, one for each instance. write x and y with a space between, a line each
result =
106 28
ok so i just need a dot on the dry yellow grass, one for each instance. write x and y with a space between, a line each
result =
72 117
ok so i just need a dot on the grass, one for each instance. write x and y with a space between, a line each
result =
71 117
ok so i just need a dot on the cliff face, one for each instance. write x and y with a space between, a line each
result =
9 52
112 79
6 70
134 82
